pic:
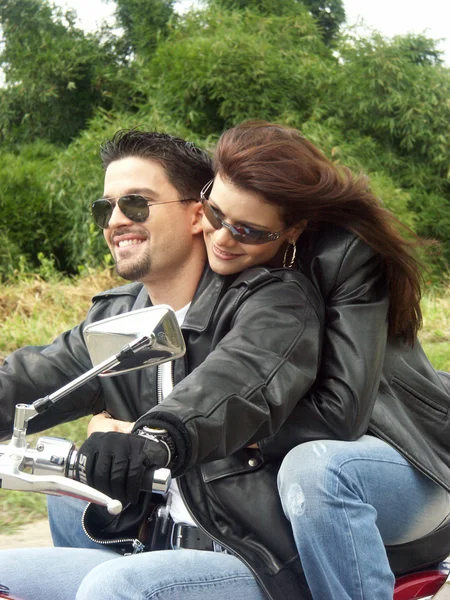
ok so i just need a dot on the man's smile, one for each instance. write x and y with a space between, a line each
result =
130 242
125 240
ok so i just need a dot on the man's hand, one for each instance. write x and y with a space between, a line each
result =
114 463
103 423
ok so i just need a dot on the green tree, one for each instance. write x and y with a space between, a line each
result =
144 23
220 67
329 14
374 104
397 91
29 225
54 72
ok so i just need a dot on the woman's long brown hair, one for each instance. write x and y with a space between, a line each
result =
289 171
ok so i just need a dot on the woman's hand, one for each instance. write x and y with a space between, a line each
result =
104 423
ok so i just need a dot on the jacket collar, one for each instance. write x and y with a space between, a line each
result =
211 289
206 298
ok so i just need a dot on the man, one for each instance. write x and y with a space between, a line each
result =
243 384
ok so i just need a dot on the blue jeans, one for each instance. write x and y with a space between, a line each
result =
84 570
64 517
87 574
345 501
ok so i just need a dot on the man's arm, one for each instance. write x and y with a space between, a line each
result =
34 372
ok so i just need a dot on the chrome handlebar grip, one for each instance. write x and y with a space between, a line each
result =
51 469
13 478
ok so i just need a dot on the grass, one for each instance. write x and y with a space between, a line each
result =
34 311
435 334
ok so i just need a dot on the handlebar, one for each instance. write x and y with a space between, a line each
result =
156 339
48 469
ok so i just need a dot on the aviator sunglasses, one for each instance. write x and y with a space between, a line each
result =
240 233
134 206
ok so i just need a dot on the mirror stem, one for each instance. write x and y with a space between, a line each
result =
130 349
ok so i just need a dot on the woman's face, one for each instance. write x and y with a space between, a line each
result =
239 207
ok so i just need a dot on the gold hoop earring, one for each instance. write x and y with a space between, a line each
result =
294 254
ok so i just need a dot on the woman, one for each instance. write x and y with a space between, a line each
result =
345 501
275 199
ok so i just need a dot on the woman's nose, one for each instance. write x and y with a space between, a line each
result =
222 237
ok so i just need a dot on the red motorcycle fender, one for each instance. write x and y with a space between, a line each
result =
419 585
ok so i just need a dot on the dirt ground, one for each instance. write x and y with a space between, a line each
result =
34 535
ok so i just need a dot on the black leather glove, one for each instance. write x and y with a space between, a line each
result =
115 463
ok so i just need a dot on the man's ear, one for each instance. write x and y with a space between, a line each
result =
197 216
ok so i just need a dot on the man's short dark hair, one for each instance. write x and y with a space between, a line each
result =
188 167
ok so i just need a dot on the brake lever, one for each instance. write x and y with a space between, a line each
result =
52 470
12 478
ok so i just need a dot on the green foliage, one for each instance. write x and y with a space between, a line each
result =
261 7
329 14
397 92
55 73
218 68
374 104
11 258
144 23
31 226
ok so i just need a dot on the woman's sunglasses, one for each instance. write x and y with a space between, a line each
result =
134 206
240 233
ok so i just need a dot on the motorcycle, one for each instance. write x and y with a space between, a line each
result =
117 345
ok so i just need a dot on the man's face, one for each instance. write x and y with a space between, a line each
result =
149 251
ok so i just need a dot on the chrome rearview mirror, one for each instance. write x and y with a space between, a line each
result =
157 323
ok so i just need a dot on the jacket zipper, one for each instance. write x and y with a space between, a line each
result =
159 393
136 544
159 385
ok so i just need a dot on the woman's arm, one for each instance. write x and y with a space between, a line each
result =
250 382
351 280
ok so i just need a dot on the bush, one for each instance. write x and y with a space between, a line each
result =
397 91
31 225
218 68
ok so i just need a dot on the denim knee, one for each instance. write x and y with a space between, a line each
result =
300 473
105 581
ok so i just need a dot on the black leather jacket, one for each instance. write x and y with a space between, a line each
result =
265 328
265 359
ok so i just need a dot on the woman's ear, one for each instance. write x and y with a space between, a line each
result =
297 230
